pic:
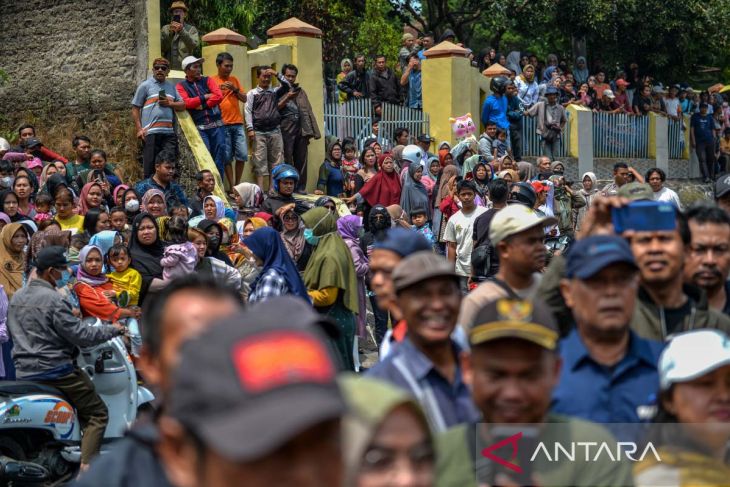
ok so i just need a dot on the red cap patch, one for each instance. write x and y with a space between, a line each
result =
278 358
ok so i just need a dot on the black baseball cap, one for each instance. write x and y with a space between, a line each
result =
515 318
256 379
522 193
30 143
53 256
425 138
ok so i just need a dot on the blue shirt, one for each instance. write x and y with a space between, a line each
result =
703 127
414 89
444 403
592 391
495 110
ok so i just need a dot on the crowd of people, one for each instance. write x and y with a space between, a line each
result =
496 291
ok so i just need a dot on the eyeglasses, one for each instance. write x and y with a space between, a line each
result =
160 68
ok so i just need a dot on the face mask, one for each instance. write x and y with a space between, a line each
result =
310 237
7 181
63 280
214 241
132 206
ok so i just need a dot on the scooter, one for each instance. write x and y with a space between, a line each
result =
40 432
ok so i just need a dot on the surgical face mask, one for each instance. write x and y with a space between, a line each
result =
63 280
214 240
7 181
132 206
310 237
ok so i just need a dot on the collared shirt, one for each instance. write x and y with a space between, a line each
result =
155 119
270 285
446 404
173 192
414 89
616 394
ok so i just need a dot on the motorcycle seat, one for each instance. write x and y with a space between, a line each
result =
19 388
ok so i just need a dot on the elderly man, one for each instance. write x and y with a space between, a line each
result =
178 39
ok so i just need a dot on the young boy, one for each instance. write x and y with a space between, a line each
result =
124 278
118 219
499 145
421 225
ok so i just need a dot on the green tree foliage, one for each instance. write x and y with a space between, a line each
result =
379 32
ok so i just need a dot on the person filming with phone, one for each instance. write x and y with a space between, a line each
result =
179 39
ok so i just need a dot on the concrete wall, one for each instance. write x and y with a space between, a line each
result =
72 57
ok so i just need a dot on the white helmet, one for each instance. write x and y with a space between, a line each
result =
4 146
413 153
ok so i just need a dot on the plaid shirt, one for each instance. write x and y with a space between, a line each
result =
269 285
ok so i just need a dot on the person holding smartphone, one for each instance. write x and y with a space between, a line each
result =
178 39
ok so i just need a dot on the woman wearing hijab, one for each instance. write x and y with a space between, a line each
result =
153 202
118 195
214 231
9 202
105 240
482 174
349 229
589 191
346 67
513 62
248 199
580 70
430 174
527 88
384 188
92 196
146 249
384 423
331 179
94 290
448 174
13 239
41 240
330 278
414 194
131 204
279 275
292 234
376 226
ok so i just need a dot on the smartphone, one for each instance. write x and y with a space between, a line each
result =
525 438
162 95
176 18
645 216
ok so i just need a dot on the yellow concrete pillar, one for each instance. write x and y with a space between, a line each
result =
448 88
306 54
154 46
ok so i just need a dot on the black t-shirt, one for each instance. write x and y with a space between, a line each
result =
481 237
673 317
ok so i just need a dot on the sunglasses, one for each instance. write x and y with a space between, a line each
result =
290 218
160 68
330 207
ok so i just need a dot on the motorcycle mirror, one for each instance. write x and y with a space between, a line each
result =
123 299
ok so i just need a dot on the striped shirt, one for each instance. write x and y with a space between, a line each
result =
155 119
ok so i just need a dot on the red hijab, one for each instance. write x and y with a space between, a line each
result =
83 205
383 188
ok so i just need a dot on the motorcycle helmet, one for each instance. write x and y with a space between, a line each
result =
523 194
499 84
283 171
413 154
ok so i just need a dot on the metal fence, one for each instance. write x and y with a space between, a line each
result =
676 138
619 135
354 119
531 140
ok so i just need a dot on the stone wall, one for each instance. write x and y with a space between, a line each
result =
71 57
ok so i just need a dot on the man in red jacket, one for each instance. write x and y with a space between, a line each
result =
202 97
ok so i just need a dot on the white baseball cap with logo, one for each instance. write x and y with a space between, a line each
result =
515 219
691 355
190 60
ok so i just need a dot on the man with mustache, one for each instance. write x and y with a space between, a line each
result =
426 362
608 372
708 259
